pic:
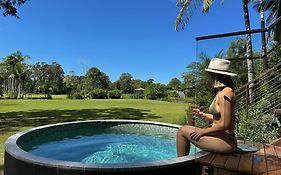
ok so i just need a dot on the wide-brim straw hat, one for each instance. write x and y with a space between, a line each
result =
220 66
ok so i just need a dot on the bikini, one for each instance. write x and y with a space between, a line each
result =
213 110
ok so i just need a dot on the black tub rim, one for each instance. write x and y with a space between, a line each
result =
15 151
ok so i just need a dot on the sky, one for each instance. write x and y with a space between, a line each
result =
124 36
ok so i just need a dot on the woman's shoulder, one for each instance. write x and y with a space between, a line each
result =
228 92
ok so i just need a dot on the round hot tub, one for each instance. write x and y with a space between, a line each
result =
97 147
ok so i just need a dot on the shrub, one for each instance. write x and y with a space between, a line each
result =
75 95
150 93
127 96
48 96
256 127
115 94
173 93
97 94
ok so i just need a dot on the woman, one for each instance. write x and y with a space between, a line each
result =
220 137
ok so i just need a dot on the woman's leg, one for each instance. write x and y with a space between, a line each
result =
183 143
220 143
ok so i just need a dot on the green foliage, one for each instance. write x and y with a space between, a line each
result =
75 95
138 84
97 94
97 79
274 57
70 83
49 96
173 93
47 76
155 91
12 95
14 74
115 94
161 90
196 81
150 93
125 83
175 83
138 95
255 127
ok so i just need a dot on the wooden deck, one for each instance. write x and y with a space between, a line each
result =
265 161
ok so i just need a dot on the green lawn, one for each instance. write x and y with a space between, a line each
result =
18 115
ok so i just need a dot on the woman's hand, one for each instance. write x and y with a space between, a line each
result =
197 112
197 134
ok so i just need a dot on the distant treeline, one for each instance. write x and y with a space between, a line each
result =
18 79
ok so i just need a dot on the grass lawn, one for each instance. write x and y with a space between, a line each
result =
19 115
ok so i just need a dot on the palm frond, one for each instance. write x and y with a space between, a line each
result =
267 5
206 5
186 12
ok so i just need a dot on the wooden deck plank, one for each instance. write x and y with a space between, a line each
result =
272 161
278 153
275 172
259 161
219 161
246 161
206 160
232 161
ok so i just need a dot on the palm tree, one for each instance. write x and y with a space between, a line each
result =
15 70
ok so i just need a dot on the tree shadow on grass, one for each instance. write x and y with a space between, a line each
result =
11 120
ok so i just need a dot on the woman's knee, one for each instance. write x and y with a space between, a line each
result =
185 130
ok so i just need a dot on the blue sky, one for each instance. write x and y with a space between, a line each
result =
124 36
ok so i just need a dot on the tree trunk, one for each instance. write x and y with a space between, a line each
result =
264 60
19 89
249 50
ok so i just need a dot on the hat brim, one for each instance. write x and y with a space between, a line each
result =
221 72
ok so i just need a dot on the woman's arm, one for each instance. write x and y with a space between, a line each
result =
207 116
204 115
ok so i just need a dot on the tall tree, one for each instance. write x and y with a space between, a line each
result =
9 7
47 78
175 83
97 79
125 83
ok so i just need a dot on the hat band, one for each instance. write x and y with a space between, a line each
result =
220 70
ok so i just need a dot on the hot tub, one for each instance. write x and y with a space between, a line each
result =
97 147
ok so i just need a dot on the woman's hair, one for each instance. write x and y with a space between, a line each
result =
221 80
